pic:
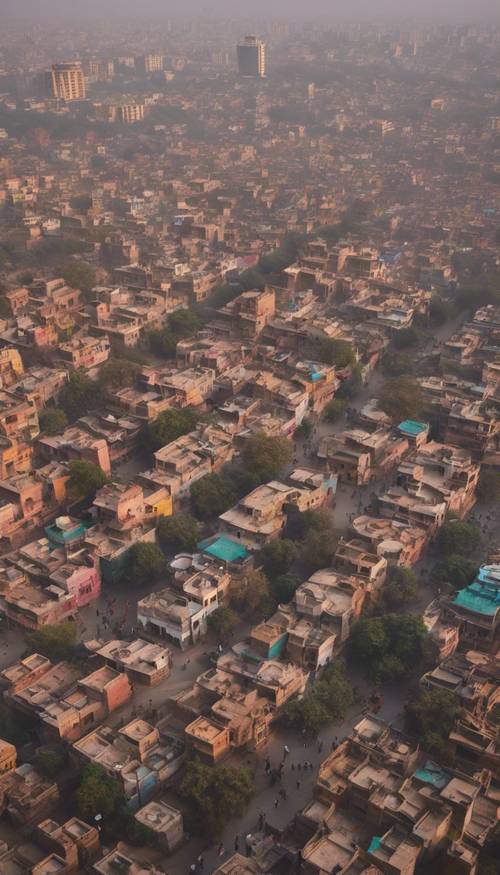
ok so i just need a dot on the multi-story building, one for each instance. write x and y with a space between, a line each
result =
132 112
68 81
251 55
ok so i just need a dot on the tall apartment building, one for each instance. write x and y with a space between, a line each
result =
68 81
251 54
132 112
151 63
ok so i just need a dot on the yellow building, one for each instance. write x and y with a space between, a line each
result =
8 756
11 367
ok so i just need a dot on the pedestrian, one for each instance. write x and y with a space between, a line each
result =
200 862
221 850
248 844
299 767
236 843
262 820
292 767
268 765
298 785
276 802
283 793
286 751
320 746
192 867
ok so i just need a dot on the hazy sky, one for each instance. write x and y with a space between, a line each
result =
455 9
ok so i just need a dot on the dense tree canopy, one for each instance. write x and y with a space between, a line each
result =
178 533
180 324
169 426
79 275
332 352
401 398
215 794
389 647
266 456
79 395
329 699
489 487
53 421
85 478
431 717
335 409
277 557
454 572
250 596
457 537
115 374
211 495
56 641
400 589
145 563
222 622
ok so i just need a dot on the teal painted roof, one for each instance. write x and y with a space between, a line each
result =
433 774
480 597
374 844
225 549
411 426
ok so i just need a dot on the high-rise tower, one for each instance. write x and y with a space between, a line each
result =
251 55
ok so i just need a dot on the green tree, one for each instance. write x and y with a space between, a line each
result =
52 760
178 533
305 715
304 430
397 364
277 557
97 793
163 342
431 717
335 409
145 563
401 398
14 727
222 622
399 590
53 421
440 310
283 588
317 550
389 647
351 387
79 395
56 641
406 337
250 596
215 794
457 537
211 495
454 572
488 490
329 699
300 523
79 275
184 323
115 374
85 478
334 690
169 426
332 352
266 456
5 310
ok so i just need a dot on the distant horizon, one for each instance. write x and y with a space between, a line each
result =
458 11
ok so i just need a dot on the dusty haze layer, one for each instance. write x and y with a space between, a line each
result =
363 9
